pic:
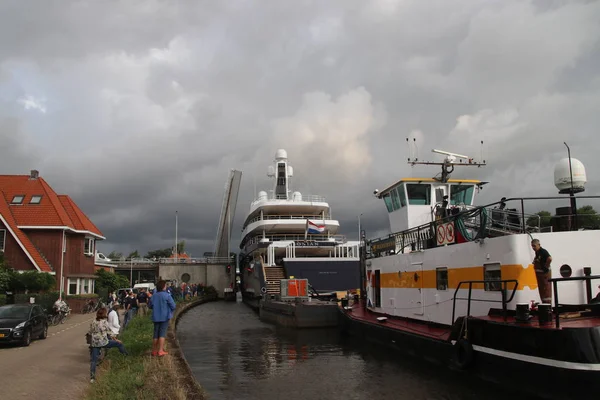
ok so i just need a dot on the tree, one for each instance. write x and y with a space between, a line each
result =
134 254
160 253
543 219
588 218
114 255
181 247
110 281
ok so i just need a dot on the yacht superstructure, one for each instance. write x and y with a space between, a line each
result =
290 234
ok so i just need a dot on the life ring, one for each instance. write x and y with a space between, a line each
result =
263 289
463 353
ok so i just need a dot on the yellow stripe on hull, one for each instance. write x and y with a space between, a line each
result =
427 279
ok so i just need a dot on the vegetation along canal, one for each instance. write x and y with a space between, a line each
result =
236 356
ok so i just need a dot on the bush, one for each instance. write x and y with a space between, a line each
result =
45 300
32 281
110 281
2 299
210 291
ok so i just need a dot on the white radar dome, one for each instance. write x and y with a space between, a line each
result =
281 154
262 195
297 196
562 176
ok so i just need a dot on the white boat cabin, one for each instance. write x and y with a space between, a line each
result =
412 202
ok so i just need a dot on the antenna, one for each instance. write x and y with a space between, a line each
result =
449 162
412 156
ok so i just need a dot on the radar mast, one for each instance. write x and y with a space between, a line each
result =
448 164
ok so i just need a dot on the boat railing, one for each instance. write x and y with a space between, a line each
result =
586 278
313 238
276 217
309 198
495 285
500 218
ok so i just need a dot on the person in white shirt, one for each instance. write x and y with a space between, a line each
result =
113 320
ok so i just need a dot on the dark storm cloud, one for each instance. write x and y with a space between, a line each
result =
138 109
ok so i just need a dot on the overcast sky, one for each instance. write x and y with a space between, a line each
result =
140 108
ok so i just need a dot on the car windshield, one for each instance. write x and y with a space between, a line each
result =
14 312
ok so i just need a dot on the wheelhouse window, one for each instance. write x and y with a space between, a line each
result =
387 199
2 239
88 246
35 199
441 278
395 199
461 194
18 199
492 272
418 194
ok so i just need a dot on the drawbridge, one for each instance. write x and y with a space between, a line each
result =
222 243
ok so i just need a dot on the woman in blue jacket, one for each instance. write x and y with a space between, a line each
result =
162 306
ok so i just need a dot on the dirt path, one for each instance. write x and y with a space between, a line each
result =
55 368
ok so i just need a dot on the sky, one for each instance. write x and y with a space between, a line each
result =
137 109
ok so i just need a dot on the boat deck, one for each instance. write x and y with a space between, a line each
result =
566 321
358 312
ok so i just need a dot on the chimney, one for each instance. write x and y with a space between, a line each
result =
34 174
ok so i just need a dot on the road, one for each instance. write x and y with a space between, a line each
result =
55 368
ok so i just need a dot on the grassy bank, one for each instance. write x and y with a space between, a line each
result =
141 376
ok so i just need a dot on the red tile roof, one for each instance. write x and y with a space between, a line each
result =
30 250
52 211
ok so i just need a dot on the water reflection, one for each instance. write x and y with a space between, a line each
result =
235 356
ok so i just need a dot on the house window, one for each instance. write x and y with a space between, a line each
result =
492 272
441 278
88 246
86 286
2 239
35 199
18 199
72 286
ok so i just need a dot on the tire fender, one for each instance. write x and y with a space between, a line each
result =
463 354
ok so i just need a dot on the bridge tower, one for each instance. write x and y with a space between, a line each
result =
222 243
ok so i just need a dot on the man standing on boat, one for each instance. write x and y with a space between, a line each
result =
541 264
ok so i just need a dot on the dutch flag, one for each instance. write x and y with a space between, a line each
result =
315 229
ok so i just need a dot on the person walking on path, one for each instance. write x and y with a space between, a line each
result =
101 337
162 306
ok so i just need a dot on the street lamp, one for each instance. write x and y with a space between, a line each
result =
572 193
359 232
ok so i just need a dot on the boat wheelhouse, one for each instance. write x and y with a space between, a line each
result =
290 234
457 282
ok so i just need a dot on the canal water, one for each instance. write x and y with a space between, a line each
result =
234 355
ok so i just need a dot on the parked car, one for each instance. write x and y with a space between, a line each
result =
22 322
102 258
149 286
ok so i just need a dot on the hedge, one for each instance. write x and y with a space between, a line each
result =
45 300
2 299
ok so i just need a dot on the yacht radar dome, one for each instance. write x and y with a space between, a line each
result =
281 154
562 176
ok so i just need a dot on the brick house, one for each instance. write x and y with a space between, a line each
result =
42 230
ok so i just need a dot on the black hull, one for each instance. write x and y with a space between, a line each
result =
528 380
251 301
330 275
